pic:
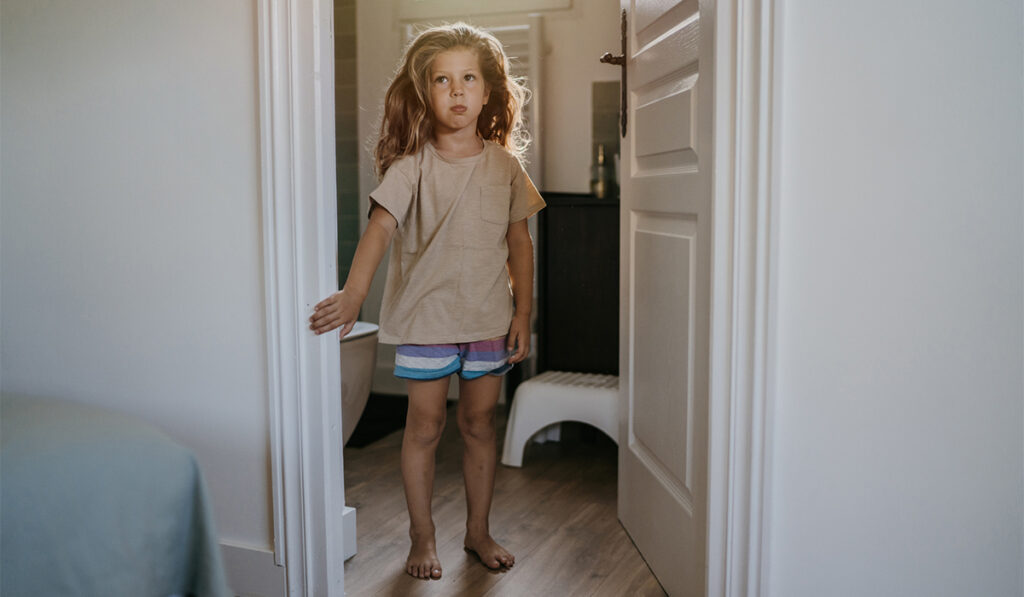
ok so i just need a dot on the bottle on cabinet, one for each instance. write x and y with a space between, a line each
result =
602 181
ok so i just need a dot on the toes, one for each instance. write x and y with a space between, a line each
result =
425 571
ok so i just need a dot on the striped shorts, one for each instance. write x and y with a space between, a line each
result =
469 359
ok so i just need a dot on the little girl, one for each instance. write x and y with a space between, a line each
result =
460 279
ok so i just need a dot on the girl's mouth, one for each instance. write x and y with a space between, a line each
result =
458 109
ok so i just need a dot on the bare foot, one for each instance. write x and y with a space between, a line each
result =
490 553
422 561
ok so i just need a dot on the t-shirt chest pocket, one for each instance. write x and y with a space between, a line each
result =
494 203
492 225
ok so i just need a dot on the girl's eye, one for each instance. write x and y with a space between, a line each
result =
441 79
470 77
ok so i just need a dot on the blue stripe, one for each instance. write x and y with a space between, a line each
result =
475 374
407 373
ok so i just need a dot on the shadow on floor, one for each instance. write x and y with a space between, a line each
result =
383 415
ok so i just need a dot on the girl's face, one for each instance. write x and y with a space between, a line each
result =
457 91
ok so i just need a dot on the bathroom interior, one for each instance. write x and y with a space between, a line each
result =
574 123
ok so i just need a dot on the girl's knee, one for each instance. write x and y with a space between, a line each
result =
477 425
424 430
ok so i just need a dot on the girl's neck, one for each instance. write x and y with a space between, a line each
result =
456 145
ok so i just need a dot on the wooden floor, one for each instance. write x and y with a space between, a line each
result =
556 515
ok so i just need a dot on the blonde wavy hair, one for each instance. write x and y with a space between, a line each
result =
407 121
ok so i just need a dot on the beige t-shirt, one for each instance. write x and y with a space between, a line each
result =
447 281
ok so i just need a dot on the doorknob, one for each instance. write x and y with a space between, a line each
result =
609 59
620 60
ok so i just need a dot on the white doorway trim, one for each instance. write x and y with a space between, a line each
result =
300 235
296 74
744 274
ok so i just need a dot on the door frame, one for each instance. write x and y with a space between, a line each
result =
296 107
744 273
300 243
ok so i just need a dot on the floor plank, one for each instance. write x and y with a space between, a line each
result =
556 514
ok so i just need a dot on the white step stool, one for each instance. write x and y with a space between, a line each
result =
556 396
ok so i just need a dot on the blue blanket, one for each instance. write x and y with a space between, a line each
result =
98 503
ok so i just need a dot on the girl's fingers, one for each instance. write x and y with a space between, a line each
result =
323 324
322 320
332 314
327 305
332 323
319 320
518 353
325 310
317 317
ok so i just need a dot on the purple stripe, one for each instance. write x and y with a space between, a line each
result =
428 350
496 355
491 345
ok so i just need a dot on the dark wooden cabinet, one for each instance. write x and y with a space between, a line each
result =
578 284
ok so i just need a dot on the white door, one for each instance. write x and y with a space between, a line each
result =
665 286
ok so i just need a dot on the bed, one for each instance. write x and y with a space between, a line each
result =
94 502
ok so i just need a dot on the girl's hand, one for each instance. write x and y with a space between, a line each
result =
338 310
519 333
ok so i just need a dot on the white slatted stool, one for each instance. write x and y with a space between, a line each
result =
556 396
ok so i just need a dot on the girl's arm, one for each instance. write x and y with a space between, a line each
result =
520 271
342 308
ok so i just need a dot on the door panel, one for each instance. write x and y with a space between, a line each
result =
665 287
662 351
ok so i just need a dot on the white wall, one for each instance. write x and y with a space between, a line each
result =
897 464
131 251
574 40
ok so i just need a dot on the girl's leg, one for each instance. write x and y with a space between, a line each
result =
475 414
424 423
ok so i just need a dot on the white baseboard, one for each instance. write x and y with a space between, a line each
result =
252 572
348 519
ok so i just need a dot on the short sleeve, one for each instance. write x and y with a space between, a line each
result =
395 191
526 200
